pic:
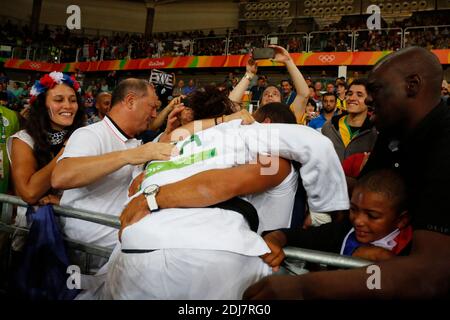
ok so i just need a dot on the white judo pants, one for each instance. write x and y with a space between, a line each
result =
182 274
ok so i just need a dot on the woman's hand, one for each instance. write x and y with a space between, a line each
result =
251 67
281 54
49 199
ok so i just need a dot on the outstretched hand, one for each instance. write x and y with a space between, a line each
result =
49 199
251 66
151 151
281 54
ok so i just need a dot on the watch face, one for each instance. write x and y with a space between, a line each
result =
151 189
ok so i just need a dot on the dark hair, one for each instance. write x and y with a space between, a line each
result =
277 112
359 82
100 94
286 80
328 94
209 102
387 182
138 86
38 124
312 102
341 83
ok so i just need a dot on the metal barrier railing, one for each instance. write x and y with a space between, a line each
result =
340 40
438 36
378 40
243 44
211 46
323 258
336 40
8 201
293 42
105 219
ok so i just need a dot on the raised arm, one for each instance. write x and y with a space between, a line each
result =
162 116
30 183
251 69
75 172
174 133
300 101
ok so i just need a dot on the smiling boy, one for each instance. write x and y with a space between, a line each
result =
377 228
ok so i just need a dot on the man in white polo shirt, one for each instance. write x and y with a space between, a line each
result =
97 164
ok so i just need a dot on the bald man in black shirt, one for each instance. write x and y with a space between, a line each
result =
414 125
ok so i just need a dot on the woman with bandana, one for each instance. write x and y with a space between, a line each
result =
56 111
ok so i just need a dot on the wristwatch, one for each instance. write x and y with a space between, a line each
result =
150 194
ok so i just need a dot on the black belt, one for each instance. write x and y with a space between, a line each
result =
235 204
137 251
243 207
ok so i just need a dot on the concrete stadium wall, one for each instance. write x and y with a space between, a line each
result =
99 14
19 9
196 15
131 16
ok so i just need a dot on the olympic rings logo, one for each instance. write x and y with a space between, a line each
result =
327 58
35 65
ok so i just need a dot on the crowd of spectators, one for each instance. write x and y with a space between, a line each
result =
61 45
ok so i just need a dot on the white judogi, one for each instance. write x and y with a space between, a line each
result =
207 253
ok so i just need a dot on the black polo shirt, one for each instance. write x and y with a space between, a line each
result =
423 159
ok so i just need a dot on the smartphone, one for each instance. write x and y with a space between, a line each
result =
263 53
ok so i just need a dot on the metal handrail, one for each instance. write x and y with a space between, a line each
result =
288 35
104 219
428 27
349 34
406 31
72 244
400 32
326 258
308 37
